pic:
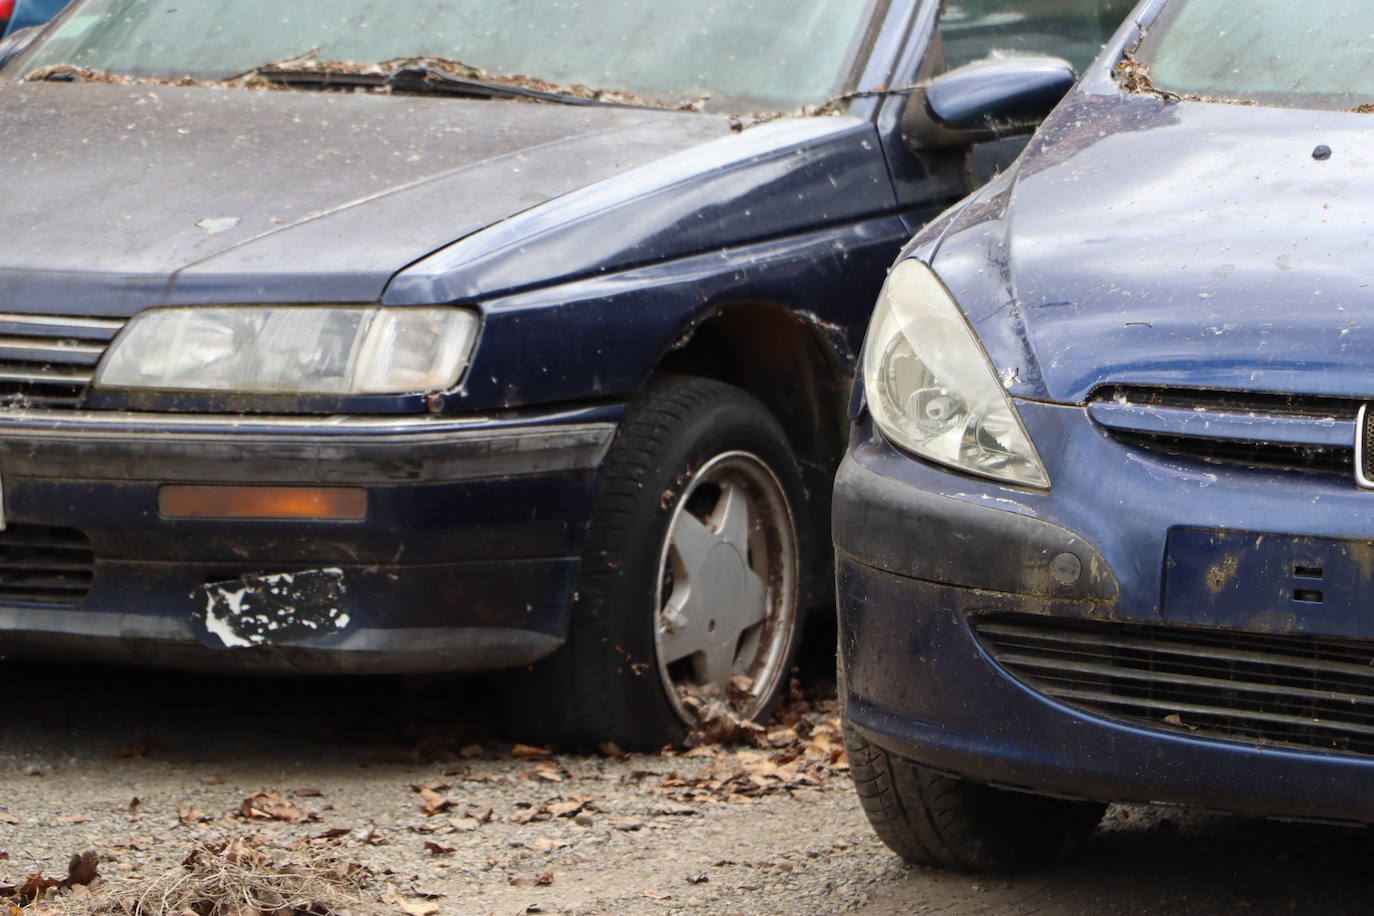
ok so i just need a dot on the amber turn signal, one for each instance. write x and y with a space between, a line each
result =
334 503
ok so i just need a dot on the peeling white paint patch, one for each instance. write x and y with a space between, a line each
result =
276 608
219 626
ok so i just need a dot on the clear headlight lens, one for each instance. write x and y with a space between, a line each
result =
292 350
933 391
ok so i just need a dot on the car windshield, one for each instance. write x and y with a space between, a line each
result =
1075 30
1275 52
745 55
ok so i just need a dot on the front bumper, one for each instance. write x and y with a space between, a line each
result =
1128 535
465 560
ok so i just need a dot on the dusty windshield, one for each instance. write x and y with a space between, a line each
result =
1275 52
743 54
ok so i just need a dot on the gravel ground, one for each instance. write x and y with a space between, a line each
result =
568 834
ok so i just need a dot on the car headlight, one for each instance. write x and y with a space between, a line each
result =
281 349
933 391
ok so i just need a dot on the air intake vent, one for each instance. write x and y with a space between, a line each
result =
41 565
1296 691
1258 430
48 361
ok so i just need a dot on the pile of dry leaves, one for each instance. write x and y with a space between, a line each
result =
235 878
801 749
31 894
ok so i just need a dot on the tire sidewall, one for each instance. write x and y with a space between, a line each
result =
731 422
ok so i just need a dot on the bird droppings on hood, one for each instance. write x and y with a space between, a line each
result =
276 608
218 224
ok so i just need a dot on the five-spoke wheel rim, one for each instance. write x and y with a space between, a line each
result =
726 608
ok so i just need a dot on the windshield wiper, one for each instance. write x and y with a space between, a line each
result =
418 76
428 79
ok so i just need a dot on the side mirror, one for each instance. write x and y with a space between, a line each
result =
17 42
986 100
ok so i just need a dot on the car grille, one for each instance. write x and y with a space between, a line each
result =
1277 431
42 565
1297 691
48 361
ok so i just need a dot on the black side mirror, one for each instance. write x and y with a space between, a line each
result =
16 43
986 100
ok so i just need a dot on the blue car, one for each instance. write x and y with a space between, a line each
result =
21 14
1105 528
357 336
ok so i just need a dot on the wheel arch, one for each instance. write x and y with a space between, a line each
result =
792 362
798 367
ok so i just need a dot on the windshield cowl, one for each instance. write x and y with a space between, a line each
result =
761 56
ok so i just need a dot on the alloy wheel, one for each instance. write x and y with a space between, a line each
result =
727 599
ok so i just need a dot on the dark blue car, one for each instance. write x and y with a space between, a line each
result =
1105 528
357 336
21 14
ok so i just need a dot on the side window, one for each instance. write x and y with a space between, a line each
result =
1072 29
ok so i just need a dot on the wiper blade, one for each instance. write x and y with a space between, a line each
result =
428 79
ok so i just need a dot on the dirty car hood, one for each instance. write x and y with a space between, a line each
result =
113 198
1176 243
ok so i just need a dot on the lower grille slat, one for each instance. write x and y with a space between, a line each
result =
44 565
1204 650
1051 668
1297 690
1258 719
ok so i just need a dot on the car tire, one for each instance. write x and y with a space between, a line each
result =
695 534
932 819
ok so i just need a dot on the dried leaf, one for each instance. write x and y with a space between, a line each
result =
528 752
435 849
34 886
566 809
526 815
145 746
433 802
82 869
1176 720
189 815
548 772
549 844
271 806
612 750
543 879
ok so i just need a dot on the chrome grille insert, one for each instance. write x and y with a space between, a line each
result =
43 565
1364 448
1310 692
49 360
